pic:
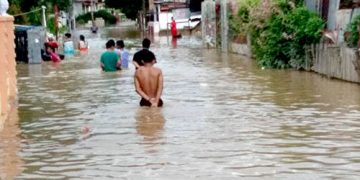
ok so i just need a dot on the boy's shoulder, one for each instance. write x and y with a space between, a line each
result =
156 69
109 53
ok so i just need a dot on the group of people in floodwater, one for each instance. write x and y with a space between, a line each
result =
148 79
50 51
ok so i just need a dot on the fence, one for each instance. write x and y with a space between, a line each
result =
337 61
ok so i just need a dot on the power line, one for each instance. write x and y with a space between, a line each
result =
27 12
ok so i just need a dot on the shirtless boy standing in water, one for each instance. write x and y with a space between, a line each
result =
149 81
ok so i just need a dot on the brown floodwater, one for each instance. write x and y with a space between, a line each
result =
223 118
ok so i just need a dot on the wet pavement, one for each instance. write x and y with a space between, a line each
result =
223 118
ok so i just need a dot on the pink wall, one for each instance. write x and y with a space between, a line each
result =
7 67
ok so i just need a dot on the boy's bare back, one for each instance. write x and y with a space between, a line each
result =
149 85
148 78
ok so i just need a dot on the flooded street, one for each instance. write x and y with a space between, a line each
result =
223 118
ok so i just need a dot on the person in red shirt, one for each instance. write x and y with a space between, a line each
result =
52 43
54 57
173 28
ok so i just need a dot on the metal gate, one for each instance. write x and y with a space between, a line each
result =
28 43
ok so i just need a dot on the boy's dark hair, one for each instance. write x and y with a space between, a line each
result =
68 35
146 43
110 44
120 43
148 56
82 37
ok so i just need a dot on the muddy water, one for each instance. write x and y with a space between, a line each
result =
224 118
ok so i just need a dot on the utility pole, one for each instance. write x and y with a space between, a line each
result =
144 16
70 16
43 16
56 12
92 12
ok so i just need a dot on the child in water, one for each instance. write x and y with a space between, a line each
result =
83 45
68 46
123 54
149 81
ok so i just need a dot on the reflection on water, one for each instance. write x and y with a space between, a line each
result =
150 123
10 161
224 119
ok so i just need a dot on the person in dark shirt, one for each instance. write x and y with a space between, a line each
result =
139 56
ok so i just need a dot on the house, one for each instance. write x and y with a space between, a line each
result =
338 14
84 6
185 12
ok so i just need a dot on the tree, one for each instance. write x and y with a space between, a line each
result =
62 4
15 9
129 7
23 6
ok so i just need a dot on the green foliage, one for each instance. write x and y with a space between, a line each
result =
353 39
129 7
52 28
282 41
15 9
108 17
51 25
35 17
23 6
240 24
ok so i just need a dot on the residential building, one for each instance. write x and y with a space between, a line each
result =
85 6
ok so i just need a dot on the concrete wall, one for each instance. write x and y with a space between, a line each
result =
78 9
7 67
313 5
242 49
333 7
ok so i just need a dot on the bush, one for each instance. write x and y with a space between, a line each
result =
52 28
352 40
108 17
35 17
282 40
239 24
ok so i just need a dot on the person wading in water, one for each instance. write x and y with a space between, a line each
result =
149 81
138 56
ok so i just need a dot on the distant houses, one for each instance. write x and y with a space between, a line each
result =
187 13
85 6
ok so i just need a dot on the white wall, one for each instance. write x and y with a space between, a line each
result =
165 17
78 9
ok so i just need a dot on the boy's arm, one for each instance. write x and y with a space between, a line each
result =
160 87
102 63
118 63
139 90
134 61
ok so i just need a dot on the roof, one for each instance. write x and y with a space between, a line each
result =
24 27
